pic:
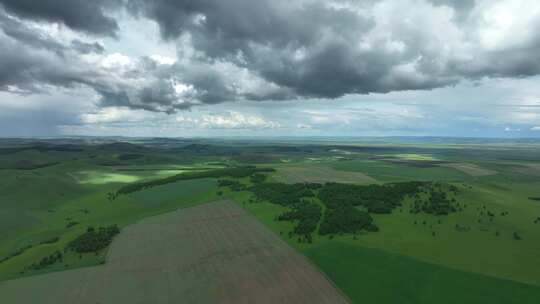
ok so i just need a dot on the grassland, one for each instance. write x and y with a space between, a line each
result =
466 257
91 211
466 267
394 172
487 248
486 255
63 200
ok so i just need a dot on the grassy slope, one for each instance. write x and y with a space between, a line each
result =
505 191
478 250
471 266
379 276
38 204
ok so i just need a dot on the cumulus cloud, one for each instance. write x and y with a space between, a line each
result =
331 48
268 49
231 120
34 61
536 128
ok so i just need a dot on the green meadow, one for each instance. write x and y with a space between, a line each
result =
488 251
62 201
404 262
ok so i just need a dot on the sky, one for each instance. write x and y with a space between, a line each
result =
196 68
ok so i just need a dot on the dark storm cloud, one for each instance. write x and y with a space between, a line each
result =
228 25
265 36
89 16
33 72
260 50
19 31
36 39
31 60
311 48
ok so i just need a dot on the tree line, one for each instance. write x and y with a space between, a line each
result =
237 172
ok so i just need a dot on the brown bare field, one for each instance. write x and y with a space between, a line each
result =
471 169
319 174
211 253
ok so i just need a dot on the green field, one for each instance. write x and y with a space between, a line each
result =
465 267
487 251
392 172
367 275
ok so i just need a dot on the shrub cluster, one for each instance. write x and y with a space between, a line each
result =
93 240
437 203
47 261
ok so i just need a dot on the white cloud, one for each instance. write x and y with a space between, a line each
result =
423 42
113 115
181 88
506 23
232 120
509 129
163 59
303 126
116 60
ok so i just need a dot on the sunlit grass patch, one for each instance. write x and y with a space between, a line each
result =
101 178
410 156
162 173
